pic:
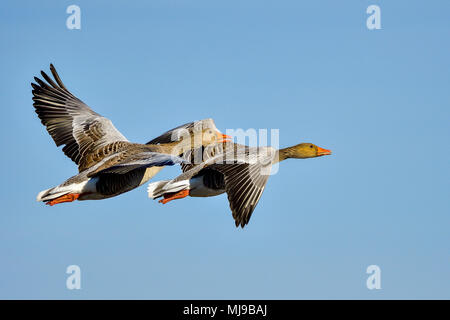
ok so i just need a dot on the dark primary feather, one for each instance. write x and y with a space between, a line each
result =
244 185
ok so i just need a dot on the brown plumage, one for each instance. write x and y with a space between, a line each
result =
108 164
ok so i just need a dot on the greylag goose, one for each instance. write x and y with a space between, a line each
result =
108 163
238 170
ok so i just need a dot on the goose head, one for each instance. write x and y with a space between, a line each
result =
306 150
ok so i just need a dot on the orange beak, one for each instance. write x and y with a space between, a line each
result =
322 152
223 137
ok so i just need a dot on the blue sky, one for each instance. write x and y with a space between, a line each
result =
378 99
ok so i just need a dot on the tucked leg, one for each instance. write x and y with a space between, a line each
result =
174 195
65 198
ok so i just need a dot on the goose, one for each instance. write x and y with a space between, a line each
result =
108 163
240 171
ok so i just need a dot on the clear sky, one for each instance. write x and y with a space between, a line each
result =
379 99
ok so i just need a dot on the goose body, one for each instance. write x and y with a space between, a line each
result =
108 164
96 183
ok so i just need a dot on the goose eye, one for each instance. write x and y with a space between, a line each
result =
311 146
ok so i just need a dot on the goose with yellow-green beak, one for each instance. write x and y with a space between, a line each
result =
240 171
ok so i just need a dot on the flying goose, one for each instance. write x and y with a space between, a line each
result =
108 163
238 170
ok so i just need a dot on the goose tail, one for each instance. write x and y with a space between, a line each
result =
159 188
155 189
51 194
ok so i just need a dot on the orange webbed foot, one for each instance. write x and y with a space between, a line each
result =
65 198
174 195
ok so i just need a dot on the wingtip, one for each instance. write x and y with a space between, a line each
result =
240 223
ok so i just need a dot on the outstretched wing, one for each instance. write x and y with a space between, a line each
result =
244 184
244 172
71 123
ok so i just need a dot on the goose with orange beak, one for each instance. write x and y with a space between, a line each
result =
108 164
240 171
